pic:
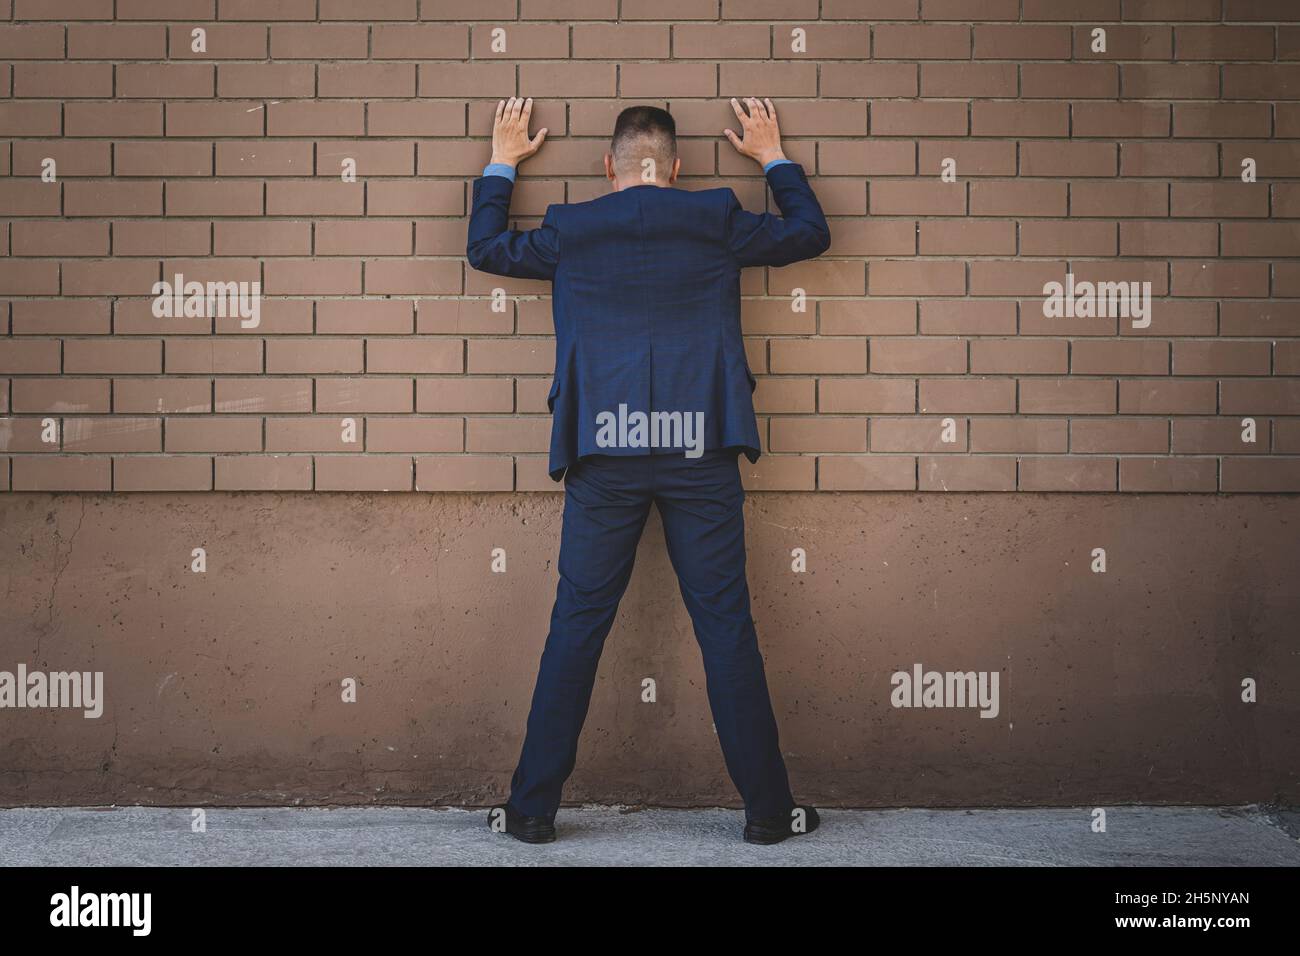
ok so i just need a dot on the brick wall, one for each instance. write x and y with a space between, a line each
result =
921 357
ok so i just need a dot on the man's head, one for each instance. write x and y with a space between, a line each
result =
643 150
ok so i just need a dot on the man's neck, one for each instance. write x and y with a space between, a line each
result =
621 184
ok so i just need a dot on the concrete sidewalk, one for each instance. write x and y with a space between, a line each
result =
1136 836
603 835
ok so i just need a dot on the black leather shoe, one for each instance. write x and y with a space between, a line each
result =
775 829
528 829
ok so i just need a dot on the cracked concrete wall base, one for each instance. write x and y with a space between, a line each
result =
224 688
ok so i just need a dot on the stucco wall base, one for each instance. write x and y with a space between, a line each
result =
223 688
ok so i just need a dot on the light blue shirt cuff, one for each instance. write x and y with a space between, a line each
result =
500 169
775 162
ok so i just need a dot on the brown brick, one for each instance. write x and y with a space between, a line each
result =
1219 279
824 434
1017 198
67 238
1259 396
102 41
67 394
226 41
1019 435
260 10
464 473
62 473
1168 475
1068 473
252 395
918 355
817 356
30 119
366 10
1027 356
1021 42
916 434
157 473
967 317
969 79
1166 397
478 79
507 434
721 41
164 9
350 395
1059 396
904 118
122 118
896 41
59 80
112 434
166 80
1255 82
1126 436
865 473
991 118
873 157
315 118
779 473
1082 80
853 79
967 396
144 158
369 473
819 277
319 41
61 316
370 80
961 473
42 41
464 395
1216 436
276 80
263 473
430 41
872 394
1239 474
742 79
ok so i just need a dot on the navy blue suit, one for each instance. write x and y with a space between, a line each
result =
646 303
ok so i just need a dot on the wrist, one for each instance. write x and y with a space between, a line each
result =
769 157
505 161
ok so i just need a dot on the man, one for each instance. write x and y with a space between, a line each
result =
651 402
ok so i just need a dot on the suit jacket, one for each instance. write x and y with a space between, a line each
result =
646 304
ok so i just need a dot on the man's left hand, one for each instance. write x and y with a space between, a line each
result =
510 142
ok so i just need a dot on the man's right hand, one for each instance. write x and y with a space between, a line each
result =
762 136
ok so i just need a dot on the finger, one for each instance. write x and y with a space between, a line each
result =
516 109
536 142
740 113
528 111
756 108
735 140
771 110
501 106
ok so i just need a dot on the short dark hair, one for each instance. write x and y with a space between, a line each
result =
641 132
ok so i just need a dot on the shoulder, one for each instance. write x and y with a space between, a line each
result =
723 197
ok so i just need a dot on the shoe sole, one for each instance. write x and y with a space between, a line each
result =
542 837
769 839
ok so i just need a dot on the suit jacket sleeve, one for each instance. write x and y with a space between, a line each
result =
800 232
494 247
